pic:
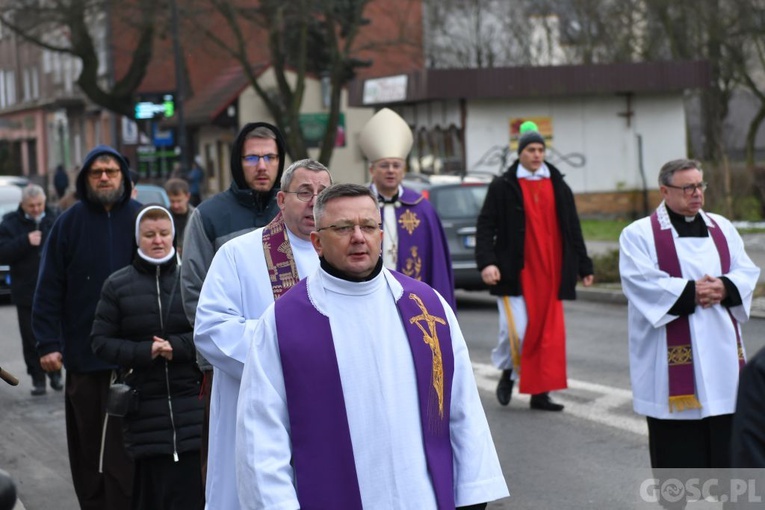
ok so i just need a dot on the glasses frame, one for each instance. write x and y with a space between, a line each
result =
110 172
254 159
340 229
305 192
690 189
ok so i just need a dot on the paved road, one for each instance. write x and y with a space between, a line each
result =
593 455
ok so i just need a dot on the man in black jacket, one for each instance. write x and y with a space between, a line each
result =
22 235
530 250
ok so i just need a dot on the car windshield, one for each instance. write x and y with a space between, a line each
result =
454 202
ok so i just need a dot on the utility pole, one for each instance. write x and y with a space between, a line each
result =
180 87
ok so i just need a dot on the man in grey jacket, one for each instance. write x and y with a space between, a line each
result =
257 163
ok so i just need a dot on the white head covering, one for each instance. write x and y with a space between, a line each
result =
138 235
386 135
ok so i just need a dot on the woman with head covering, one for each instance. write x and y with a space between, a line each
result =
140 326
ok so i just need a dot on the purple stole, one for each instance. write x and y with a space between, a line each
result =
322 452
682 388
282 270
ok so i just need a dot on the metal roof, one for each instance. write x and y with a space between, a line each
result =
543 81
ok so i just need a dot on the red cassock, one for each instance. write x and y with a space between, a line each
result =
543 356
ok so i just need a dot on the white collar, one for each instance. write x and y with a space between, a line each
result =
542 173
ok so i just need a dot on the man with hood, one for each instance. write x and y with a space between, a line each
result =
257 163
88 242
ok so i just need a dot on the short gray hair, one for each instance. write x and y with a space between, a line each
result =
338 191
32 191
676 165
308 164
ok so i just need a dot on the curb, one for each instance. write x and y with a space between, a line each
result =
600 295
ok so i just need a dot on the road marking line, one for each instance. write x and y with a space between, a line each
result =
598 410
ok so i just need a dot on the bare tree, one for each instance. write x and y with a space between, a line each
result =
323 38
76 28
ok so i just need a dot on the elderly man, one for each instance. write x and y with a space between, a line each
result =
357 390
414 241
89 241
22 236
689 283
247 274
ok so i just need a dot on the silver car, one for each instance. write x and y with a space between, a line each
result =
457 201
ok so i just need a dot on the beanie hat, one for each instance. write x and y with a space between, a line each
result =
529 134
386 135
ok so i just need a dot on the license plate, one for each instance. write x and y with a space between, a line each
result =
469 241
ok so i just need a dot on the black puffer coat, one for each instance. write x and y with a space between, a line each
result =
128 316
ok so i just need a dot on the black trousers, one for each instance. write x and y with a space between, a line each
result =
162 483
701 443
28 343
85 404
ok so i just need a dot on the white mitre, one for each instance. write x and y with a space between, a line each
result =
386 135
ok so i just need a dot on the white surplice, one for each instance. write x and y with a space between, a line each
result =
652 293
380 392
236 291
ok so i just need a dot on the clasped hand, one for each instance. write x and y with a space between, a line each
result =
710 291
161 347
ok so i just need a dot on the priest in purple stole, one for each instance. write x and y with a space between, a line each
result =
358 392
414 242
247 274
689 283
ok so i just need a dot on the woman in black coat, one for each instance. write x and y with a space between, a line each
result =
140 326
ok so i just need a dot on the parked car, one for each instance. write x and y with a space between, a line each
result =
15 180
457 201
152 194
10 197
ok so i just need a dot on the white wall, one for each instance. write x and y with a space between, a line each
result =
588 130
347 164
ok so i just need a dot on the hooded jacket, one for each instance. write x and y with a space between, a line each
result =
86 244
227 215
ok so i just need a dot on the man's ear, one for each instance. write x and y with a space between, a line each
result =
280 197
316 242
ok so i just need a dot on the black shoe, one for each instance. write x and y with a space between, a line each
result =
55 381
38 388
505 387
542 402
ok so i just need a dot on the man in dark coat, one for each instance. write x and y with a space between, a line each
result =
257 163
530 251
89 241
22 236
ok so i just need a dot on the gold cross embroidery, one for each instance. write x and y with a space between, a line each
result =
409 221
430 337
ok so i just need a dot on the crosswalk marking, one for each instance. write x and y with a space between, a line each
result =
599 409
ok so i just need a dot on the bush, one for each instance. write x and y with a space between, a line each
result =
607 267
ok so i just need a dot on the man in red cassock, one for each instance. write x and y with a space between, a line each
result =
530 251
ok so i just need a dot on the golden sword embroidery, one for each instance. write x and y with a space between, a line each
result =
430 337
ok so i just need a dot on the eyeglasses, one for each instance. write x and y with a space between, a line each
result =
347 229
96 173
254 159
691 188
303 195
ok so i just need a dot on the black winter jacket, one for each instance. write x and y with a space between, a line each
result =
130 313
501 229
24 259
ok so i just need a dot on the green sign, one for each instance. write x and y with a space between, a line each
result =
314 125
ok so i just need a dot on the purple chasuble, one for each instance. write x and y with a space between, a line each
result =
282 270
423 252
682 390
322 451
